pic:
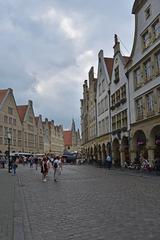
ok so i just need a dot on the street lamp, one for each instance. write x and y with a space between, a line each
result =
9 144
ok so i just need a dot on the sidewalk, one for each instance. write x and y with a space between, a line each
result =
13 215
7 196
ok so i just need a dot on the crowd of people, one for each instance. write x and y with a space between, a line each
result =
45 163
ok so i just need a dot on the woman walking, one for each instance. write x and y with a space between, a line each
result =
44 169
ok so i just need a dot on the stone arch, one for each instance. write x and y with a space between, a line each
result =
116 153
154 141
139 144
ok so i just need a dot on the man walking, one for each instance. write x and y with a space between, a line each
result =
108 161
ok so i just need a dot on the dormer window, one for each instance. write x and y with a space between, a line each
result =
148 12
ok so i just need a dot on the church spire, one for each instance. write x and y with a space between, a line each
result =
73 128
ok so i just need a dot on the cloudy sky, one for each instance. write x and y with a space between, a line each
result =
48 46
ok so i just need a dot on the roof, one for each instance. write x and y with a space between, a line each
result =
126 59
22 111
3 93
67 137
137 4
109 65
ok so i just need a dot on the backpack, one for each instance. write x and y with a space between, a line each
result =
55 165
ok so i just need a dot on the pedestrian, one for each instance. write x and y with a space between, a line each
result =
55 167
14 167
108 161
44 169
36 162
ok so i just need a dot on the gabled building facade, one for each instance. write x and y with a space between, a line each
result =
105 67
39 136
9 122
57 139
29 128
119 110
143 71
47 136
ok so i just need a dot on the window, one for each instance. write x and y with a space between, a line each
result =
113 99
19 134
118 96
5 119
116 73
106 103
156 29
103 85
1 130
30 119
10 110
10 120
123 91
158 62
158 99
148 70
124 118
149 103
99 88
139 108
114 123
118 120
137 77
14 122
148 12
146 40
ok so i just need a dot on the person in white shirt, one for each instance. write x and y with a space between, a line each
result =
55 167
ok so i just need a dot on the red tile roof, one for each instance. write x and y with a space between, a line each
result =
67 138
109 65
22 111
3 93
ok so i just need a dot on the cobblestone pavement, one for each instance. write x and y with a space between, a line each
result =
89 203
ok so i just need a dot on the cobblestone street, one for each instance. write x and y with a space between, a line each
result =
87 203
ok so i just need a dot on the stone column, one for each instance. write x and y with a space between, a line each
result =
151 154
122 157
